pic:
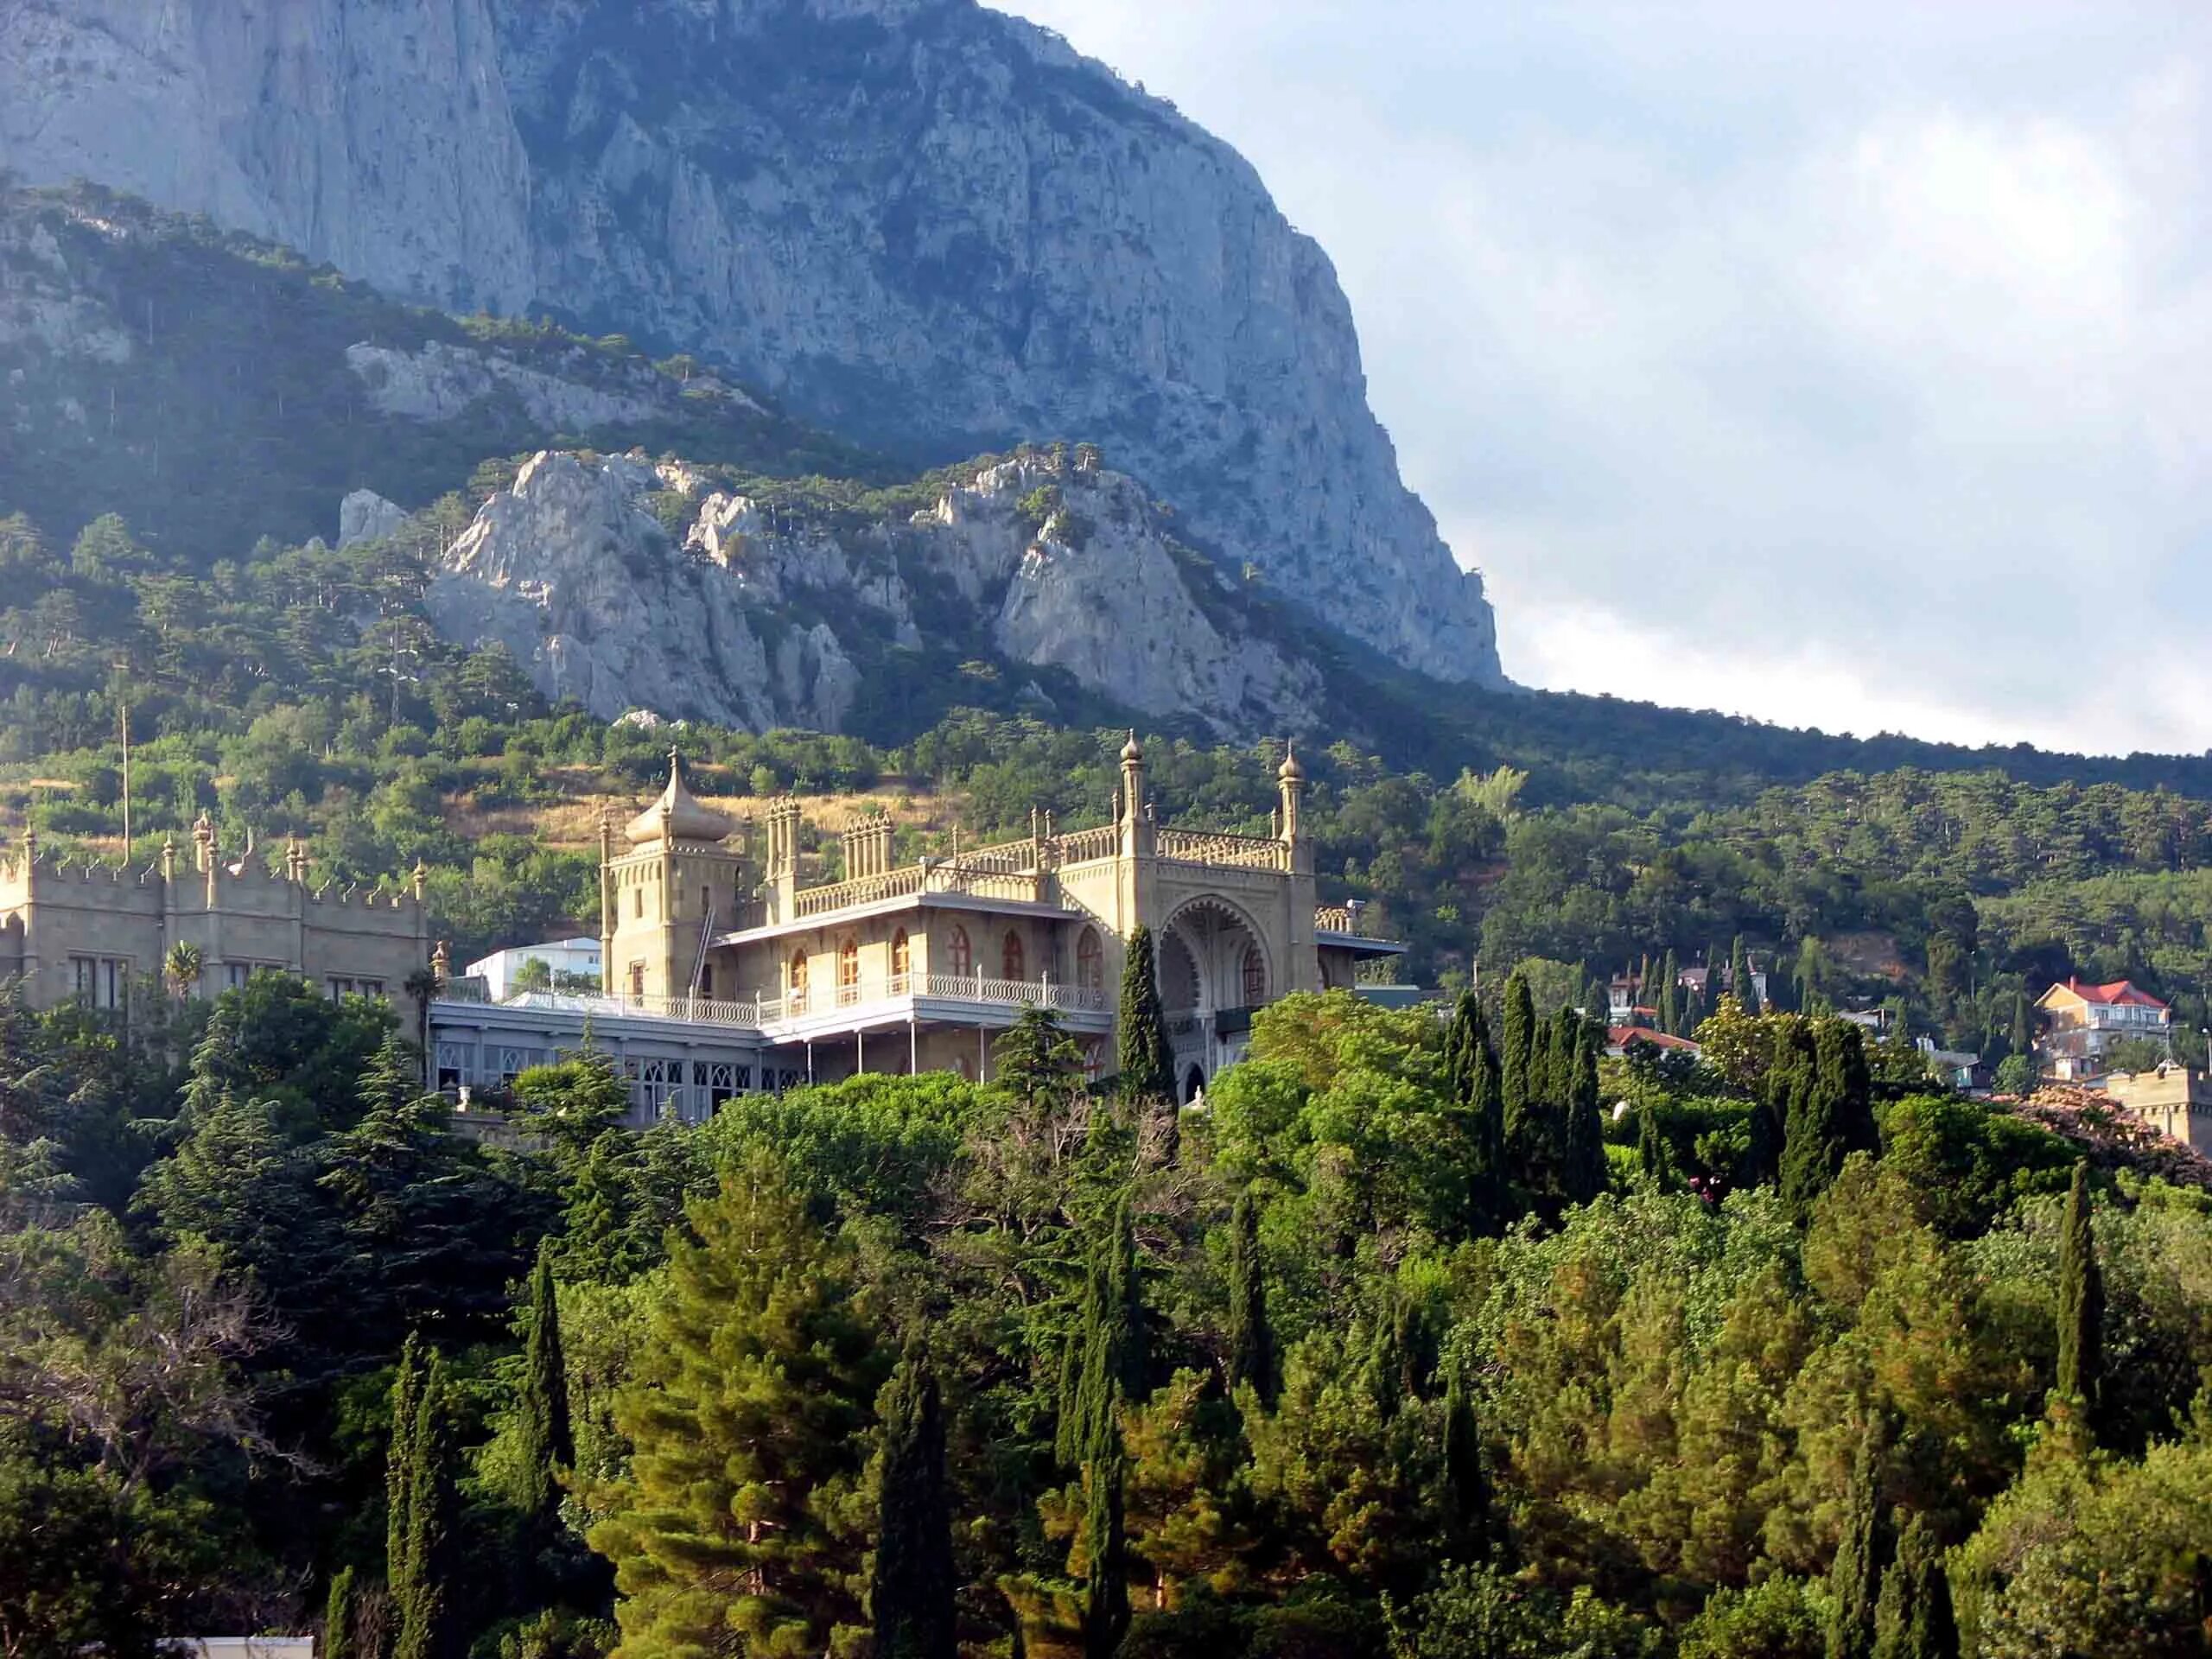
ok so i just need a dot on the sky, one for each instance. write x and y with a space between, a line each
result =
1847 366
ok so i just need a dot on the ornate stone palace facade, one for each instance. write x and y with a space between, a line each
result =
724 975
88 930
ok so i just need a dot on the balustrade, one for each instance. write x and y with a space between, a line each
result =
1221 848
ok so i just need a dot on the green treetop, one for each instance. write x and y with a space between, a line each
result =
748 1415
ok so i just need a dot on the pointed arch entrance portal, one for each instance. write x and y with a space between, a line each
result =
1214 970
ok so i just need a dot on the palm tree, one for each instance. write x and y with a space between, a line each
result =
181 969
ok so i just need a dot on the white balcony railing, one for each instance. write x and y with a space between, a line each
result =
942 988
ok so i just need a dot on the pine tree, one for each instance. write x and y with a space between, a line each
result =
405 1400
1855 1575
421 1601
338 1615
1517 1062
2081 1305
1106 1584
1585 1127
911 1596
752 1395
1829 1119
1915 1620
1466 1488
1251 1340
1148 1065
546 1442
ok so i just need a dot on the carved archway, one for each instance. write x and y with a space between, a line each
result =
1227 952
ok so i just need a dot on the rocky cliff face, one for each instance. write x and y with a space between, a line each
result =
929 226
627 585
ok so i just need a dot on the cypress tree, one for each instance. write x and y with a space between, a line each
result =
1651 1144
405 1400
419 1603
1251 1339
911 1595
2080 1304
1472 1066
1517 1060
2024 1028
1106 1584
1831 1116
1466 1489
1741 985
338 1618
547 1441
1585 1128
1915 1620
1067 1428
1385 1370
1855 1575
1670 996
1115 1357
1461 1039
1148 1065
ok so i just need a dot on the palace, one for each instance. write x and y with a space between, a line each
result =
90 930
723 974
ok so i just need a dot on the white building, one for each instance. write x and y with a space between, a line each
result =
569 961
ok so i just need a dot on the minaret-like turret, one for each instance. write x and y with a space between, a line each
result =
1290 783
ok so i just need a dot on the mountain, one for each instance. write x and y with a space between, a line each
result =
930 228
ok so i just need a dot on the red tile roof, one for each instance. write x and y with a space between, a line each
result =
2120 991
1622 1036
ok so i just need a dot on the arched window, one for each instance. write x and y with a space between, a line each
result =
1256 976
1090 961
1010 963
958 956
799 976
902 954
849 969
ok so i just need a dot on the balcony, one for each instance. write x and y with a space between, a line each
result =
966 999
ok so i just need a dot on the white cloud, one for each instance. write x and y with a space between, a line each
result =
1843 370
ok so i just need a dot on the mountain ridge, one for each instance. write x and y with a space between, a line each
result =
932 228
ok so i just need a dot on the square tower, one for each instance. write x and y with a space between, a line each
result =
680 879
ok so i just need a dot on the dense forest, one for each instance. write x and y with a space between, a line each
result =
1426 1339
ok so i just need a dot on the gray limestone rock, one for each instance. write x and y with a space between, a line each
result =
738 620
365 516
927 226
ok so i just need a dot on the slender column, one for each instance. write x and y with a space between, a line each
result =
859 1052
913 1048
